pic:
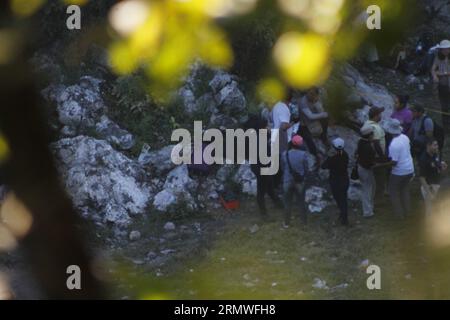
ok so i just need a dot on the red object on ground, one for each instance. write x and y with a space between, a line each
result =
230 205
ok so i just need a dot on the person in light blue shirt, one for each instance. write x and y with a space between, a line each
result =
295 169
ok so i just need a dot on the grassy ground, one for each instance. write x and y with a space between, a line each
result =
231 262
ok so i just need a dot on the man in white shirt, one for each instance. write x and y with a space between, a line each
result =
402 169
281 123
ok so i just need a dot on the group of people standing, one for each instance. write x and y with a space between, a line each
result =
293 125
409 135
297 122
384 158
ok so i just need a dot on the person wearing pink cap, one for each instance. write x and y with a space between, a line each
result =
297 141
295 168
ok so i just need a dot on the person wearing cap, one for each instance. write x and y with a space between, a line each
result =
402 171
379 136
366 157
339 180
295 169
440 72
422 129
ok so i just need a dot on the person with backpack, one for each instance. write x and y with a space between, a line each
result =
339 180
422 129
366 158
295 169
379 142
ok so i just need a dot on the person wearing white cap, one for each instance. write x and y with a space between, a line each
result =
339 180
441 76
366 157
402 171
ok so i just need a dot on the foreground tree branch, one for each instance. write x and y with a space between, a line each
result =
53 243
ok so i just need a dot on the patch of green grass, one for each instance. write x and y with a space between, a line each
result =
233 263
274 263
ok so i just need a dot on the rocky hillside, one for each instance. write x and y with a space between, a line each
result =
113 186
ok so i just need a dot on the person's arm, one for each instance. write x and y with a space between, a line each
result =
423 181
444 166
286 119
385 164
400 56
393 155
425 185
326 164
434 72
410 118
409 132
319 107
285 126
347 160
306 166
385 161
313 116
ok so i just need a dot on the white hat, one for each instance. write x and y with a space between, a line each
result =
394 127
445 44
338 143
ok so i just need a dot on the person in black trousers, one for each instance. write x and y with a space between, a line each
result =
339 180
265 183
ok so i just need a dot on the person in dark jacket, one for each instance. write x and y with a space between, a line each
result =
265 183
339 180
366 157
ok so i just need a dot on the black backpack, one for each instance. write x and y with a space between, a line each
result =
298 178
438 132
